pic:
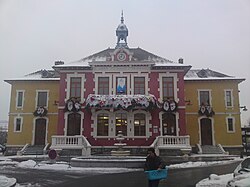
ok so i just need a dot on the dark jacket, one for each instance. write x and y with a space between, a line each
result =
153 163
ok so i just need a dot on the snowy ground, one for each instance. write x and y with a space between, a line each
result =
213 180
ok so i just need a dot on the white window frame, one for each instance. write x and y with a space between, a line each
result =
47 103
96 82
210 96
233 120
15 123
174 75
17 94
225 95
69 76
145 75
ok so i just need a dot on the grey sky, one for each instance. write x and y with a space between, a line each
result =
206 33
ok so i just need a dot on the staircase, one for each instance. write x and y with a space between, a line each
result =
34 150
210 149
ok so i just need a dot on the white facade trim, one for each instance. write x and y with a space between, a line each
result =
20 91
225 98
66 114
212 124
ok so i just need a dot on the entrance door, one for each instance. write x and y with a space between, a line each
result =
74 124
168 124
206 131
40 131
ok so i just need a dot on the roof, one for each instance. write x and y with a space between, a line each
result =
138 54
207 74
45 75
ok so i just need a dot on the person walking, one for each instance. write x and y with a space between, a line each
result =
153 162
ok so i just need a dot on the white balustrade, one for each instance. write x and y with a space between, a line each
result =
172 142
69 142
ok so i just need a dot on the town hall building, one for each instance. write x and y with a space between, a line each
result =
152 101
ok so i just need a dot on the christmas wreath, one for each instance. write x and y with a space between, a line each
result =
40 111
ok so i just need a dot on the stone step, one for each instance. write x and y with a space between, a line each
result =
34 150
209 149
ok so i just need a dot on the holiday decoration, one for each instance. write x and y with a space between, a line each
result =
206 110
122 101
73 105
40 111
170 106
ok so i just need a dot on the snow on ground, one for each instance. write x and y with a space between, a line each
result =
212 181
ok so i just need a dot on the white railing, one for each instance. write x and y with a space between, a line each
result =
71 142
178 142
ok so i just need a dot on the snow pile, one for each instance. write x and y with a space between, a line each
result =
195 164
215 181
6 182
63 166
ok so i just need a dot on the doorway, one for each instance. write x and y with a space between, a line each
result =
74 124
206 131
40 131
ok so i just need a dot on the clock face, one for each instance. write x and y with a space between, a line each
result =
121 56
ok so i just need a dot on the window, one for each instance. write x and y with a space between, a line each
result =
102 124
229 98
18 124
204 98
139 85
139 124
19 99
103 85
75 87
230 124
121 123
42 97
168 88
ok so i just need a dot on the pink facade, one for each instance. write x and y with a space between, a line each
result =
149 103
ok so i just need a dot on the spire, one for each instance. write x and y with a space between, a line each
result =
122 19
121 33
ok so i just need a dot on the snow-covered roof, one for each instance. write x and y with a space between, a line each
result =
138 55
207 74
41 75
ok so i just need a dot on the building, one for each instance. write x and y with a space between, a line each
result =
84 105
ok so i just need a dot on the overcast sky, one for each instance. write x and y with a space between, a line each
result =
211 34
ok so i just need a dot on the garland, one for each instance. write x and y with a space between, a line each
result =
128 102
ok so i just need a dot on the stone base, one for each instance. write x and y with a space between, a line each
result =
120 153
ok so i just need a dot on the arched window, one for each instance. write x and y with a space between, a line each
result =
121 123
74 124
140 124
102 124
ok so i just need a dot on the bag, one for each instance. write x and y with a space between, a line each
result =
157 174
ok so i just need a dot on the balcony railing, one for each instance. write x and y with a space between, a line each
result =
172 142
71 142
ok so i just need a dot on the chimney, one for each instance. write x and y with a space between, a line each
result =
180 60
59 63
